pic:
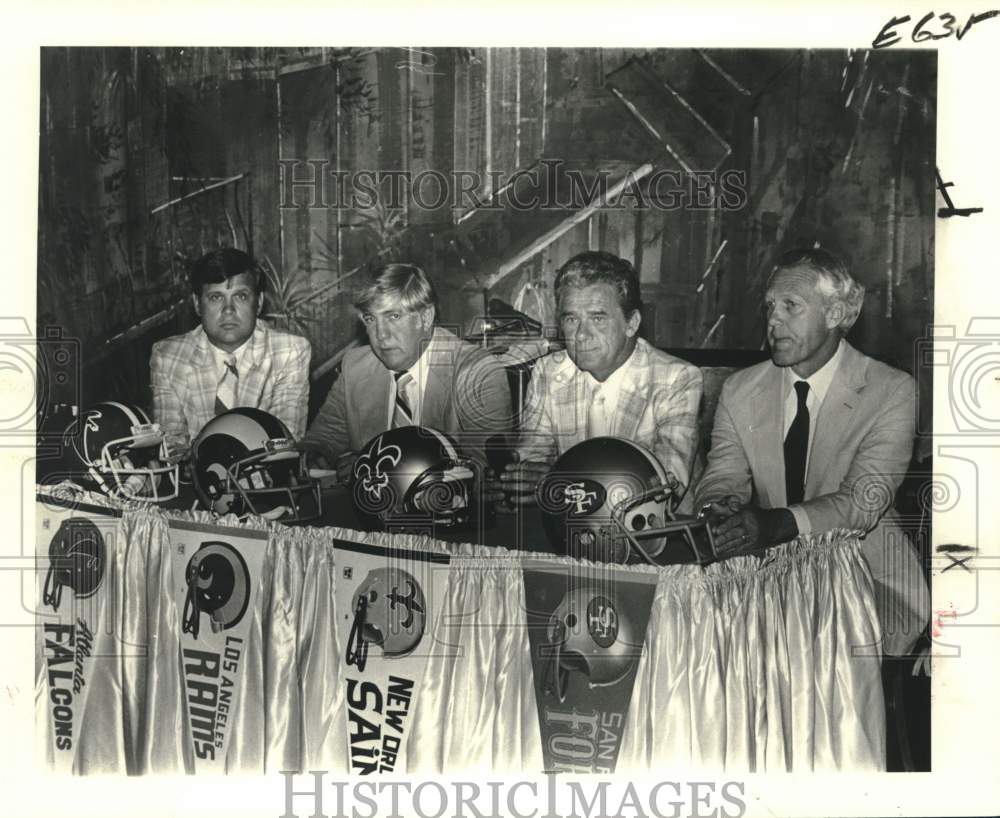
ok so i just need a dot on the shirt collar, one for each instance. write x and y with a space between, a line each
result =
612 384
819 382
421 366
221 356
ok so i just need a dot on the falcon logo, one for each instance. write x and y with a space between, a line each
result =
369 469
582 500
77 558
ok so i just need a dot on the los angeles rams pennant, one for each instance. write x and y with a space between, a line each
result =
217 573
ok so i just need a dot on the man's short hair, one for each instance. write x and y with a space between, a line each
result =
832 278
222 264
407 281
599 267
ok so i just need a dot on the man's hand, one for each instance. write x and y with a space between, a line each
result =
178 454
344 466
719 510
749 529
516 484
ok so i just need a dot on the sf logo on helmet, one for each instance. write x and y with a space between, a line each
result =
77 557
580 498
602 621
218 583
370 468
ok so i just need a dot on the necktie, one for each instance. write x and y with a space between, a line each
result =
225 395
597 415
402 413
796 447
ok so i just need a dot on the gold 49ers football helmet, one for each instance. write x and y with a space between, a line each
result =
589 633
609 500
413 476
119 451
245 462
389 611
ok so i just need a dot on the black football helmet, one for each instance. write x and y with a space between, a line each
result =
116 449
218 584
589 633
413 476
77 558
610 500
245 462
389 611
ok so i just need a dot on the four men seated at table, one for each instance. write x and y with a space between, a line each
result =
817 438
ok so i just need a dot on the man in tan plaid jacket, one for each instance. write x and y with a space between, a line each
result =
232 359
608 382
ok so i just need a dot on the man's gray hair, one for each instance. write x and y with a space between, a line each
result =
832 278
407 281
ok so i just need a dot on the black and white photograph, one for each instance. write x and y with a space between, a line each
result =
610 423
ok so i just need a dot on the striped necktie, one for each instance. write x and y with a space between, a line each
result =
402 413
225 396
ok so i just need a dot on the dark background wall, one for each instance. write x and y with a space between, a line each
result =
150 157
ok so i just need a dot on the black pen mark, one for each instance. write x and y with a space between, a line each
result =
951 210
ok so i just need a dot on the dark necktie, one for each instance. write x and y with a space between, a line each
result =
402 414
796 447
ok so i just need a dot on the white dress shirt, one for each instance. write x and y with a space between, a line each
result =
605 393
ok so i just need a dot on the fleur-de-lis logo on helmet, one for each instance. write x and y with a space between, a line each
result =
370 468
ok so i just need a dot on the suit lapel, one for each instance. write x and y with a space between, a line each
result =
372 396
835 416
632 395
203 366
439 383
766 411
251 381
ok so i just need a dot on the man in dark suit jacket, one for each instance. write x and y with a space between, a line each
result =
818 438
411 373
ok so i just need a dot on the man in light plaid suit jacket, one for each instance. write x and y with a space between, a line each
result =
608 382
271 367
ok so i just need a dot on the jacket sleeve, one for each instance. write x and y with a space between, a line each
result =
290 391
869 487
168 408
536 440
676 417
482 405
327 434
728 471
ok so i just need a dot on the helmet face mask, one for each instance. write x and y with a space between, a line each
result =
124 453
245 462
390 612
609 500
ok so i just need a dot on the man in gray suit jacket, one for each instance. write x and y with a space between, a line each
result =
411 373
817 438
